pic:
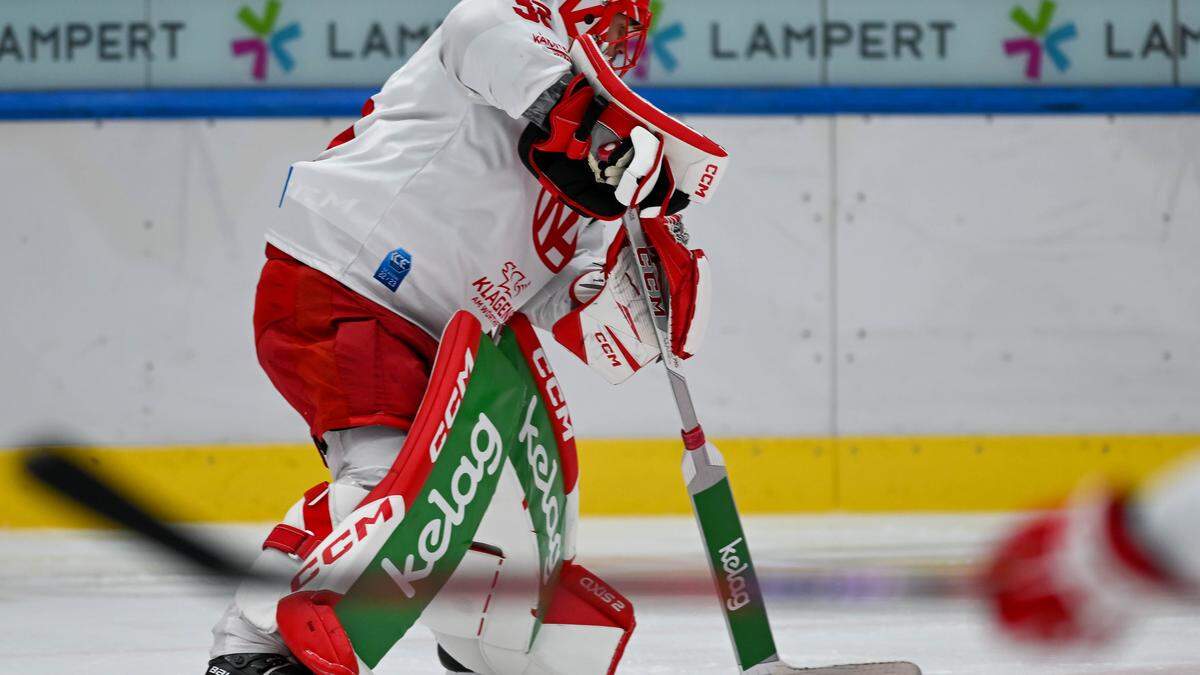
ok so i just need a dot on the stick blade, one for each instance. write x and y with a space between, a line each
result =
883 668
51 464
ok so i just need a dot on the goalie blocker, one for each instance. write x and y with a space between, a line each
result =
471 533
604 150
612 329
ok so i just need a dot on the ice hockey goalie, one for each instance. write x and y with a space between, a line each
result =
405 272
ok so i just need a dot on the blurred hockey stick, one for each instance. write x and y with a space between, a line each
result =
53 465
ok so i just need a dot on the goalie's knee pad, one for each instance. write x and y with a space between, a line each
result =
584 632
307 523
358 458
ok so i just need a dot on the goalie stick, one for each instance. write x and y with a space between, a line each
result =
698 165
707 481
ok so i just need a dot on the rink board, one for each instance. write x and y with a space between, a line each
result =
250 483
930 290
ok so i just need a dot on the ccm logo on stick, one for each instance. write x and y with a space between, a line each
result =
648 260
707 180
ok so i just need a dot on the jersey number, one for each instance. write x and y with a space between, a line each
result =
532 10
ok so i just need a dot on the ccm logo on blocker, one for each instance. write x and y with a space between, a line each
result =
707 180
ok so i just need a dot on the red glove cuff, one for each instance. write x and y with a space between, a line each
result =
681 267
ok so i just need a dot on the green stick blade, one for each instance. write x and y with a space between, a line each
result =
734 574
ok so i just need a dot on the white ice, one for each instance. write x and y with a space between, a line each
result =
95 602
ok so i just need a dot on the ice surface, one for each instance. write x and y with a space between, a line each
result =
95 602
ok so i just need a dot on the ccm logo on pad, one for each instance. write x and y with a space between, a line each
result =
360 523
707 180
609 351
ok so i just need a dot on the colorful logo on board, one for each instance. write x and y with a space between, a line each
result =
267 41
1042 39
658 44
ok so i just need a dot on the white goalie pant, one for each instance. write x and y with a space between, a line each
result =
487 628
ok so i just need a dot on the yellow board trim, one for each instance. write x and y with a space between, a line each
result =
253 483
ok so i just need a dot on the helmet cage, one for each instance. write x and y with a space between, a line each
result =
595 18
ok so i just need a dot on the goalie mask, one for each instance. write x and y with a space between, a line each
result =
619 26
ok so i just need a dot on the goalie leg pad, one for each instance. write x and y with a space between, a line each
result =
412 531
585 632
522 520
314 634
486 614
587 628
490 604
307 523
358 458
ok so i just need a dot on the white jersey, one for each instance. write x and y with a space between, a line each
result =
429 209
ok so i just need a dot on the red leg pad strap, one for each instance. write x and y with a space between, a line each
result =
317 525
313 633
288 539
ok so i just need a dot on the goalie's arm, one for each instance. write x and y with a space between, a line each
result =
505 61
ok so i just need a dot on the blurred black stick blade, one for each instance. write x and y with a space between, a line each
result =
52 466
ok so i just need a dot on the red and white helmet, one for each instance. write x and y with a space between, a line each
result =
595 18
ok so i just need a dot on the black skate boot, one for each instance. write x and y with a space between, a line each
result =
255 664
451 665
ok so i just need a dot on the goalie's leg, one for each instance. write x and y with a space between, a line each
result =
585 623
584 631
358 459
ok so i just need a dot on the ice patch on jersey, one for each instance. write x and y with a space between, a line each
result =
394 268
